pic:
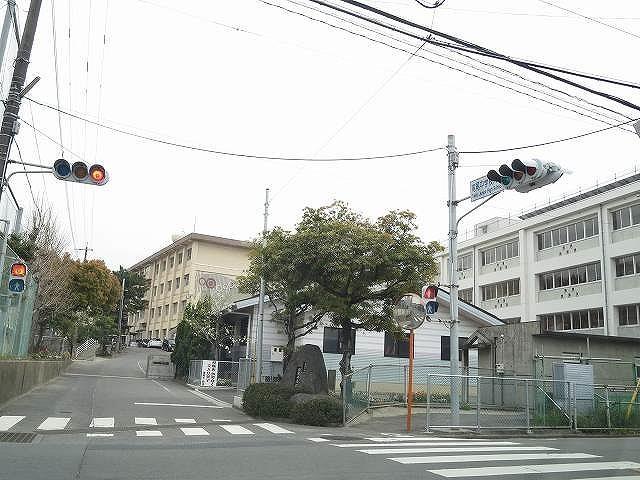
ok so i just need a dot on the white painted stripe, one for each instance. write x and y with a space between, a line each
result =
423 444
418 439
103 376
318 439
8 421
219 420
392 451
99 434
161 385
148 433
211 399
145 421
191 431
184 420
237 430
54 423
102 422
527 469
270 427
151 404
492 458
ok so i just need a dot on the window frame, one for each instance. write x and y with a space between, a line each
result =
396 347
571 232
327 345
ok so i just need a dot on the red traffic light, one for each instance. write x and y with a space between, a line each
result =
430 292
18 270
98 174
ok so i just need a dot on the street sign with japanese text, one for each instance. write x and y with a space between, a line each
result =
483 187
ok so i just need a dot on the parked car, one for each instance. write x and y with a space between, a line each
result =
155 343
133 343
169 344
143 342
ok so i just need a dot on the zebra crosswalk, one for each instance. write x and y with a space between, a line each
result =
106 427
485 458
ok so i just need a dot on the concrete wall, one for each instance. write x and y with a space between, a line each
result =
20 376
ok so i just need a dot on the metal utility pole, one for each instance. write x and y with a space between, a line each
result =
120 315
452 162
12 106
261 297
6 26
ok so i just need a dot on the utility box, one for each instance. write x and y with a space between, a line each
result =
277 353
573 381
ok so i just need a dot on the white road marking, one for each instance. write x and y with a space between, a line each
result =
211 399
506 457
526 469
152 404
161 385
318 439
104 422
184 420
140 367
145 421
54 423
219 420
99 434
445 449
102 376
148 433
423 444
417 439
8 421
270 427
237 430
191 431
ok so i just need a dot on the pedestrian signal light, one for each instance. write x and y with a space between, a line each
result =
17 276
79 172
430 299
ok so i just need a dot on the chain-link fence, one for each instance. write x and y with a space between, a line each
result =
271 373
491 402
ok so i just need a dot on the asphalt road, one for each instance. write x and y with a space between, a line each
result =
144 435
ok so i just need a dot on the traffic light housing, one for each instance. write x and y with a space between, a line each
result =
525 175
80 172
17 277
430 299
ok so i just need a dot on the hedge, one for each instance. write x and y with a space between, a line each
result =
267 400
320 412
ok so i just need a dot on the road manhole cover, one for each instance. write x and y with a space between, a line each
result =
17 437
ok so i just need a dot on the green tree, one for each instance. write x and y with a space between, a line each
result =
361 268
96 288
188 347
289 289
135 287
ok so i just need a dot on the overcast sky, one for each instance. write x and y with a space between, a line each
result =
276 83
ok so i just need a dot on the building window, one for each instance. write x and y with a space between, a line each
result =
163 266
180 258
396 347
188 254
629 265
175 307
183 305
570 276
166 310
159 311
168 285
170 262
157 267
155 290
466 294
177 283
186 279
445 348
499 253
625 217
629 315
568 233
331 342
161 288
153 311
465 262
580 319
501 289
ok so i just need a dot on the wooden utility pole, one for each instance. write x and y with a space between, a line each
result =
10 117
85 250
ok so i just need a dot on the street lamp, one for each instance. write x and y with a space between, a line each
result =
409 315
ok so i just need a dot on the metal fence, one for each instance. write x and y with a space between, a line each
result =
271 372
213 373
491 402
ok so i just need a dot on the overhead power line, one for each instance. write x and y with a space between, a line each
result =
435 5
459 43
591 19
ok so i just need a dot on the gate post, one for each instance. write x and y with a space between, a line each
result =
528 413
428 409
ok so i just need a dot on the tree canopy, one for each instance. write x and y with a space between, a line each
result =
96 288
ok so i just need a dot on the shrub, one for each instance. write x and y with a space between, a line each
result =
320 412
267 400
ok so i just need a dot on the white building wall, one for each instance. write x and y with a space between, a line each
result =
607 294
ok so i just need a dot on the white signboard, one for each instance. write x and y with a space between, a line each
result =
209 375
483 187
207 283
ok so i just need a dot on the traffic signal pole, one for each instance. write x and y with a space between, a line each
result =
260 329
452 165
12 106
